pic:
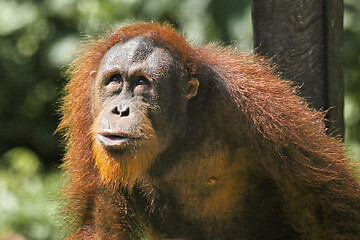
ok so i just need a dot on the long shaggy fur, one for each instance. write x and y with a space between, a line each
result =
307 165
320 195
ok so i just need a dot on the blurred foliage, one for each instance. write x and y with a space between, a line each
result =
27 197
37 42
352 76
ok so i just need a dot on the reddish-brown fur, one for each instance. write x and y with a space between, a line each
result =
284 138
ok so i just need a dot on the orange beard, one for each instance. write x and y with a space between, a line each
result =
126 168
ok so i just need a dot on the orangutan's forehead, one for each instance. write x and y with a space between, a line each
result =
134 50
139 50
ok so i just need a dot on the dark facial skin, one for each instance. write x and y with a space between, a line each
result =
135 83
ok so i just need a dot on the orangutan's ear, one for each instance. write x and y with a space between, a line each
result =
191 88
93 74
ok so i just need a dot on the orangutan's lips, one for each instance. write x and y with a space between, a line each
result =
114 139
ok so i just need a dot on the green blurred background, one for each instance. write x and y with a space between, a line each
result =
37 42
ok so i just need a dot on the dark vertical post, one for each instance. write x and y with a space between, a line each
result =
304 39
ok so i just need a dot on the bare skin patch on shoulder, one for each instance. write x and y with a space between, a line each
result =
212 185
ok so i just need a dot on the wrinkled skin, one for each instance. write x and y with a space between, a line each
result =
133 81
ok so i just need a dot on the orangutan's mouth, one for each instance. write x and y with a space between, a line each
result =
115 140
